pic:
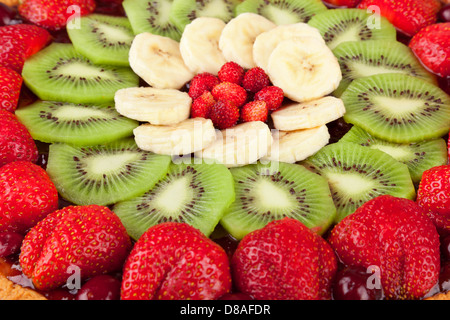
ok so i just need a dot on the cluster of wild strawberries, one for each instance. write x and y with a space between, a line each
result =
234 95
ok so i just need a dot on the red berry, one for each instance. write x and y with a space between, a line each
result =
395 236
284 260
254 111
273 96
27 195
342 3
352 283
231 72
224 114
10 243
10 86
102 287
255 80
175 261
201 83
434 196
202 105
231 92
444 13
75 241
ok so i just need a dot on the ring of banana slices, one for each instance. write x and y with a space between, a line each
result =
294 56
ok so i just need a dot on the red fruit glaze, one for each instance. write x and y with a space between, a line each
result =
231 72
10 86
408 16
255 79
10 243
201 83
54 14
175 261
396 236
27 195
254 111
224 114
432 46
284 260
434 196
102 287
232 92
91 238
202 105
271 95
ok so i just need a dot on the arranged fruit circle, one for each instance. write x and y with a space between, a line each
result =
224 149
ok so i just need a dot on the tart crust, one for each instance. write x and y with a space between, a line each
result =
11 291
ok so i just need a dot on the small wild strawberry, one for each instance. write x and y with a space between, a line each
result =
254 111
232 92
201 83
255 80
224 114
231 72
202 105
271 95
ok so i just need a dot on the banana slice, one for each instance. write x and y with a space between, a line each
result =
238 146
157 60
305 68
267 41
294 146
182 138
199 45
314 113
157 106
238 36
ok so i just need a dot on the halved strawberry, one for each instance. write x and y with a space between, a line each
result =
10 86
286 261
395 238
27 195
82 240
175 261
54 14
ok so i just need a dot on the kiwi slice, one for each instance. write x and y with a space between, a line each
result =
103 39
284 11
360 59
341 25
357 174
104 174
196 194
418 156
184 12
60 73
151 16
274 190
397 108
78 124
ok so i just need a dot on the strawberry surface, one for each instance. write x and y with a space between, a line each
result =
201 83
396 236
224 114
254 111
255 80
175 261
91 238
202 105
286 261
231 72
232 92
273 96
27 195
10 86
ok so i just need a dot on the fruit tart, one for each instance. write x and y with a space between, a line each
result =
223 150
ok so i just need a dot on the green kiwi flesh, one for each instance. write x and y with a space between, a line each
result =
397 108
184 12
77 124
357 174
272 191
418 156
103 39
341 25
197 194
151 16
359 59
60 73
283 12
104 174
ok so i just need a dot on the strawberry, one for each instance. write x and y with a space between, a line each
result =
16 142
433 195
202 105
284 260
175 261
432 46
27 195
10 86
54 14
228 91
231 72
91 238
255 79
342 3
224 114
408 16
397 238
200 83
254 111
273 96
18 42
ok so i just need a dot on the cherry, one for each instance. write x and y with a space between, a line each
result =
444 14
10 243
7 14
59 294
103 287
351 284
445 248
